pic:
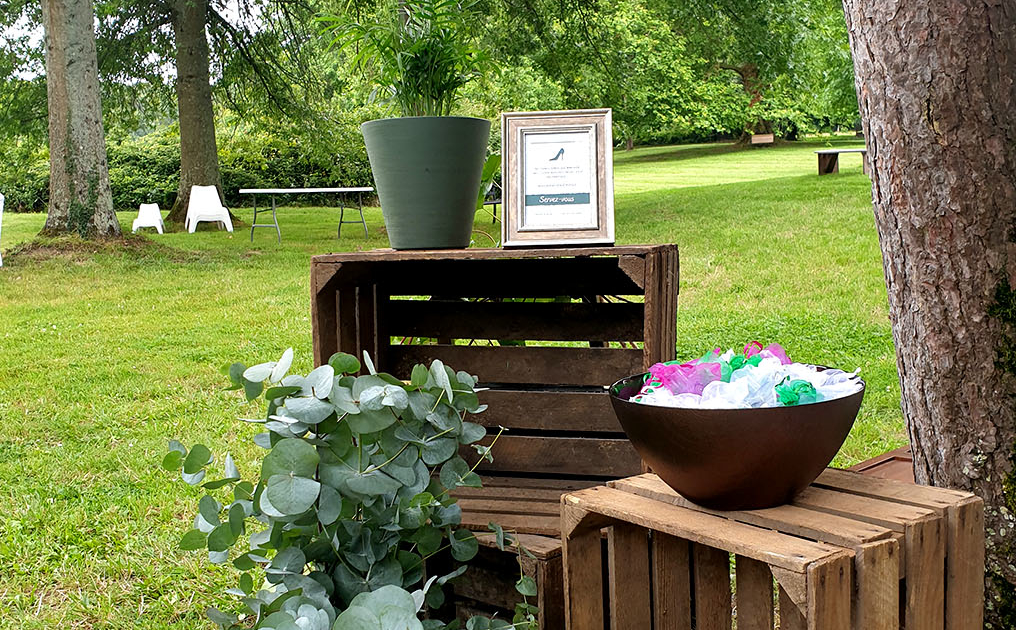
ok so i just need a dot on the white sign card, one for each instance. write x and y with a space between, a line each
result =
560 179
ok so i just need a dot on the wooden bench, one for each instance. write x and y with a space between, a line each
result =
763 138
829 160
569 321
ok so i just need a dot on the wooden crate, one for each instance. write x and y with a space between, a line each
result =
913 558
612 314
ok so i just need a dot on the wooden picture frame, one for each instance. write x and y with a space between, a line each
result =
557 178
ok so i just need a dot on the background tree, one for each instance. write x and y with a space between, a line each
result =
80 199
934 83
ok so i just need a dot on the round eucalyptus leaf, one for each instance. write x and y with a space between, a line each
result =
444 418
344 363
209 508
371 421
437 450
221 538
309 410
321 380
198 458
237 516
279 369
273 393
428 539
526 586
472 432
220 618
399 619
292 495
329 505
372 398
364 382
194 539
342 398
440 378
291 456
218 557
357 618
456 472
259 372
373 483
464 545
264 440
172 461
290 560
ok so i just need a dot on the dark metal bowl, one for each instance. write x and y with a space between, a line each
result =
735 459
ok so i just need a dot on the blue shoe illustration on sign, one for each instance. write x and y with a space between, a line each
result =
559 155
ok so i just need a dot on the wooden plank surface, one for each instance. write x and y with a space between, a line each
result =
542 525
765 545
789 519
877 596
791 616
671 582
485 253
587 412
543 547
712 588
347 337
322 315
533 321
925 597
530 365
583 576
754 597
550 578
628 577
964 604
604 457
830 585
900 492
883 513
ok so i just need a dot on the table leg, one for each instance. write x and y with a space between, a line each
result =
255 221
275 220
359 199
828 163
342 215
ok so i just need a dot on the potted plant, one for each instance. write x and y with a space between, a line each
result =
426 164
352 497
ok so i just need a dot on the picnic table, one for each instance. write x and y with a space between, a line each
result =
359 190
829 160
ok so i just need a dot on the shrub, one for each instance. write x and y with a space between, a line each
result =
351 500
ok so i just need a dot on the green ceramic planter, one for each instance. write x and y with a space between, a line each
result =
427 172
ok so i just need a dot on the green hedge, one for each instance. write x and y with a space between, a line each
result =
146 169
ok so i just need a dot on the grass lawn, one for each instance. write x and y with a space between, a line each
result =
108 354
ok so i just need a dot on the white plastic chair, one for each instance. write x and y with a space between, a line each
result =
149 215
1 223
205 206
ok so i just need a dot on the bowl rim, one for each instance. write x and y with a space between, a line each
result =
614 389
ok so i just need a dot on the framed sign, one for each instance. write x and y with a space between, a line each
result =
557 178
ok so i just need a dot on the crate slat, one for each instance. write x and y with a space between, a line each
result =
540 366
754 597
628 571
671 582
711 570
588 457
580 412
530 321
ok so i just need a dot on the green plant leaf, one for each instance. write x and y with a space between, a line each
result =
464 545
220 618
272 393
235 374
498 534
258 373
371 421
309 410
329 505
292 495
321 380
246 583
440 376
363 383
172 461
237 516
209 508
291 456
198 458
194 539
279 369
221 538
342 398
526 586
230 469
344 363
374 483
419 377
472 432
252 389
368 363
456 472
437 450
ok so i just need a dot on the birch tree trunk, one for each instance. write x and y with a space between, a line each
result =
199 157
79 195
936 85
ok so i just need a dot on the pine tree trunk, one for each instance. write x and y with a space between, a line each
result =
79 195
938 100
199 158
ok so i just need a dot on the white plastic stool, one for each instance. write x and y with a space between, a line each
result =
148 216
205 206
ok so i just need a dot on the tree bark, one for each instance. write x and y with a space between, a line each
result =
199 158
938 102
79 196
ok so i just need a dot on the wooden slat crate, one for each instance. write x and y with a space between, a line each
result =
917 553
612 313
